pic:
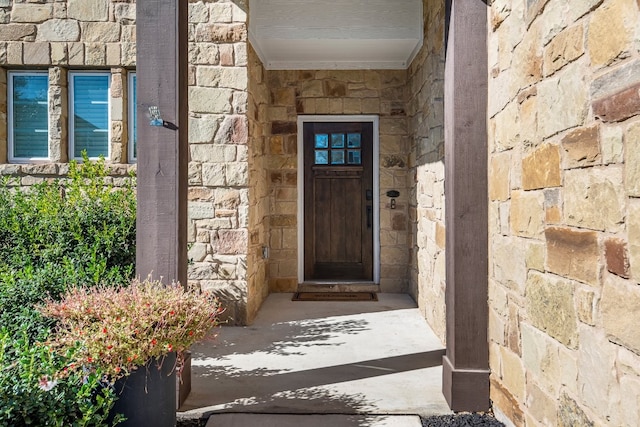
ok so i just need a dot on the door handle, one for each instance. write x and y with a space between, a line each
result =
369 212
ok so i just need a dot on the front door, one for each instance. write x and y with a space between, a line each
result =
338 201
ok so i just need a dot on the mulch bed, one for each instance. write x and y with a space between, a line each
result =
462 420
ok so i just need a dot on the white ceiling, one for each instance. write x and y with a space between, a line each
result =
335 34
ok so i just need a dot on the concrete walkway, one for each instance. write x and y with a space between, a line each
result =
373 364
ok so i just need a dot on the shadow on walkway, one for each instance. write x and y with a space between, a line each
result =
356 358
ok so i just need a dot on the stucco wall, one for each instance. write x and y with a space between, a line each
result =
425 110
341 93
564 173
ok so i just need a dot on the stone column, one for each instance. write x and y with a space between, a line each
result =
118 102
58 123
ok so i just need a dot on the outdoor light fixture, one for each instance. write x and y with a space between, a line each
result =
154 115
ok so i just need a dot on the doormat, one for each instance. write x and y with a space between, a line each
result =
335 296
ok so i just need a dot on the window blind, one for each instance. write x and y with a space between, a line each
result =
133 116
90 126
29 121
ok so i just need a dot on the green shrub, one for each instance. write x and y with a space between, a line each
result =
32 394
76 231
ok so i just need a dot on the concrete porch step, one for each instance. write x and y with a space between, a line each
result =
327 286
282 420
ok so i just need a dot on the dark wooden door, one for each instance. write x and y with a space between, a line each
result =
338 201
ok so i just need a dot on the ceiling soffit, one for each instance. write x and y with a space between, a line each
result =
336 34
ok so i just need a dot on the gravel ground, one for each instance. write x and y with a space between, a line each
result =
462 420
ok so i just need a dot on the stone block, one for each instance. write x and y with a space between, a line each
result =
105 32
527 213
540 405
619 308
222 33
283 128
507 133
633 229
233 130
505 402
194 173
540 358
200 210
95 54
616 79
513 373
619 106
208 153
125 13
630 400
76 53
594 198
512 274
541 169
582 147
237 174
88 10
31 13
632 160
499 174
231 242
213 174
551 308
570 414
617 256
197 252
226 53
562 101
526 63
17 32
595 374
59 55
224 77
210 100
563 49
203 129
585 299
37 53
221 12
605 45
573 254
198 12
200 194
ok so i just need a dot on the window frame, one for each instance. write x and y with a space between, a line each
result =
10 111
131 118
71 111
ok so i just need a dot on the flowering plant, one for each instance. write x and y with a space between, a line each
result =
116 330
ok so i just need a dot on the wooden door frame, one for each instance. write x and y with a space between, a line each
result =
375 121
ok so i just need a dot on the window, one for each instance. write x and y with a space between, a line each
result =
133 116
89 114
28 122
332 149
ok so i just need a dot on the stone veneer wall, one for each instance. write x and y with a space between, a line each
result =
564 172
425 108
259 190
341 93
100 35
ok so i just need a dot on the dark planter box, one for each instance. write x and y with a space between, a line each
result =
147 397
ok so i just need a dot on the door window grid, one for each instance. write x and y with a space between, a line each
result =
345 149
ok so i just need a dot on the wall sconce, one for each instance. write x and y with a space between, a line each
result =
154 115
393 194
